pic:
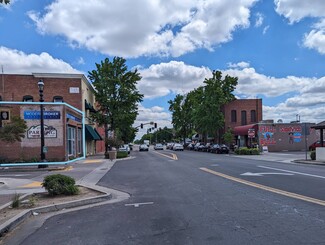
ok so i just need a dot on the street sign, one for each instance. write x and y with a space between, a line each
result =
251 133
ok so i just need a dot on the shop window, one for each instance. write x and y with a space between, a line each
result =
57 99
28 98
233 116
253 116
79 141
243 118
0 98
71 141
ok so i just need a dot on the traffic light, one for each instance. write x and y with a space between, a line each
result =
141 125
155 125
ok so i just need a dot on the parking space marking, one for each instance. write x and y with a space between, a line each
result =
136 205
293 172
266 188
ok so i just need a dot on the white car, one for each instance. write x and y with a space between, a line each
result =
124 148
143 147
159 147
178 147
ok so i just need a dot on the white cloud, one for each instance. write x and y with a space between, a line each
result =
259 20
266 28
173 77
239 65
295 10
144 27
315 39
15 61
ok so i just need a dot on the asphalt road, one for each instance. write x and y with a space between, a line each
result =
200 198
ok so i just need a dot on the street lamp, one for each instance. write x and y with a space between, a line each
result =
41 99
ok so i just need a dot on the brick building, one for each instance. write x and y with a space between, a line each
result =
63 125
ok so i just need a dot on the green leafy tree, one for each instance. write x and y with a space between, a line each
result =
228 137
117 96
13 131
181 108
5 1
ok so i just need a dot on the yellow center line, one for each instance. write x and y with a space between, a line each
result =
263 187
173 157
32 185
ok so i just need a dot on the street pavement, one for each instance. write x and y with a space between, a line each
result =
91 170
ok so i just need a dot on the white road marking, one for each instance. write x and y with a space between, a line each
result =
136 205
14 175
214 165
294 172
262 174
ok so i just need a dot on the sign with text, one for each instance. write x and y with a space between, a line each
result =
34 132
251 133
33 115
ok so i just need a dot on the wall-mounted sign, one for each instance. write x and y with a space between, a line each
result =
72 117
34 132
31 115
74 90
4 115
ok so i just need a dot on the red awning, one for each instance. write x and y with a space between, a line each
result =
243 130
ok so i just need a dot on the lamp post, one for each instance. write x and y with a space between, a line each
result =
41 99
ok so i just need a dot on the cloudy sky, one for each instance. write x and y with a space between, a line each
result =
275 48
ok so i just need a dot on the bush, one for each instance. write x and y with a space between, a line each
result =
58 184
247 151
313 155
16 201
121 154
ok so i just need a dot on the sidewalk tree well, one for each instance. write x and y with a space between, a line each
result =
13 131
117 96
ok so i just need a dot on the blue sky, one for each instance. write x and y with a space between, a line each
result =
275 48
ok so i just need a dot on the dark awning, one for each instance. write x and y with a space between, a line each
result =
243 130
92 134
320 125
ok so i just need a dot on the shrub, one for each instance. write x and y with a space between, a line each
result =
313 155
16 201
121 154
247 151
58 184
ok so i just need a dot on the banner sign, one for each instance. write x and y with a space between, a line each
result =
33 115
34 132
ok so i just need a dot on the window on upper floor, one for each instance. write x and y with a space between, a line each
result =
233 116
57 99
28 98
243 118
253 116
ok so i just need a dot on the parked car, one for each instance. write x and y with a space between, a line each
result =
131 146
178 147
313 146
143 147
190 146
124 148
223 149
196 146
215 148
206 147
159 147
169 146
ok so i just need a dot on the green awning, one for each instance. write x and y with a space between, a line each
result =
91 134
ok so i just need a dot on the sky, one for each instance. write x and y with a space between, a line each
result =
275 48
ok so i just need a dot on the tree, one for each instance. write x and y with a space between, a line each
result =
13 131
5 1
228 137
202 107
117 96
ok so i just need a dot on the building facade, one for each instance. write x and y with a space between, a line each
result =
63 125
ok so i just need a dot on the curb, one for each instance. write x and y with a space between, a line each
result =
309 162
19 218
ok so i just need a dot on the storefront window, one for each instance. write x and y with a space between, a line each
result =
71 141
79 140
